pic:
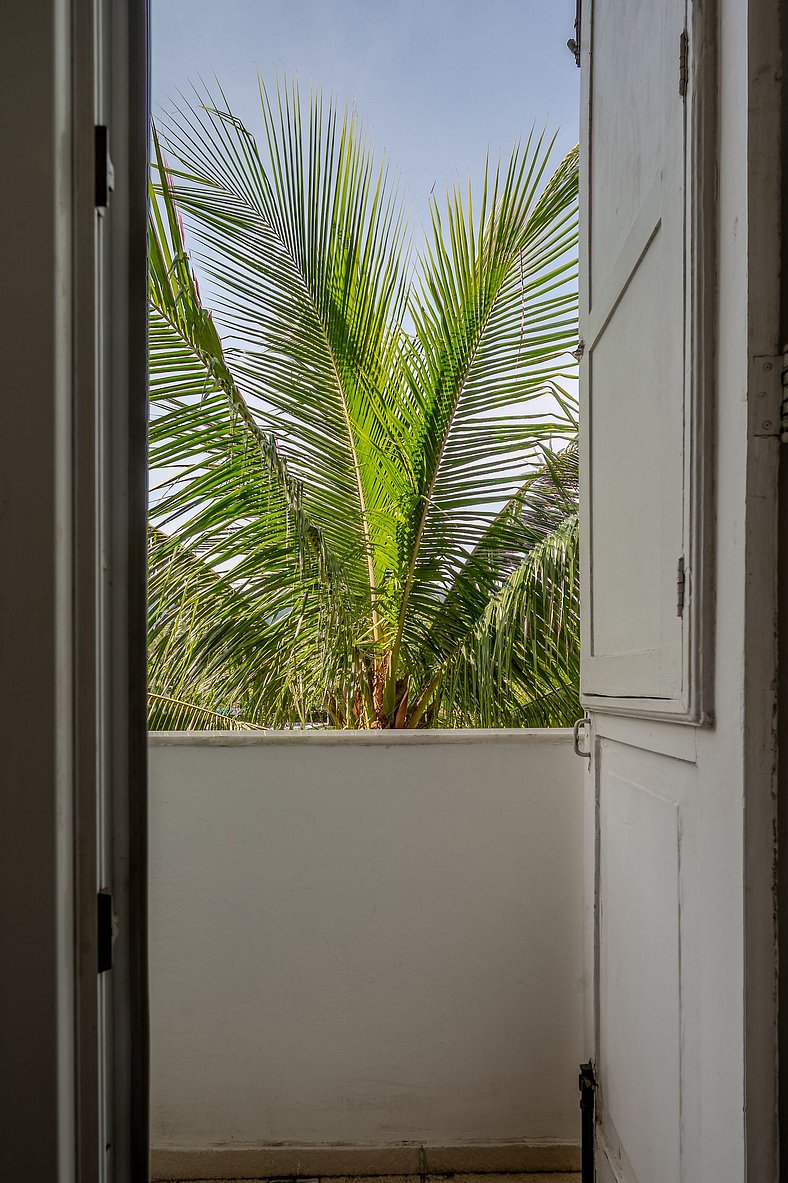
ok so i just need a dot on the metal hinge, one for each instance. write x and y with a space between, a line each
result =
683 63
105 172
681 586
573 44
105 933
768 401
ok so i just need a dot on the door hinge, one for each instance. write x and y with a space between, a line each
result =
683 63
573 44
681 586
587 1121
105 931
768 401
105 172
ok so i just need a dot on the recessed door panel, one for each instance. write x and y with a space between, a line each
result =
624 127
641 796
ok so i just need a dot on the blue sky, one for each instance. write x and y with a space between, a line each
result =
437 82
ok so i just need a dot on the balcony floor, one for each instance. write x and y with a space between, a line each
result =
539 1177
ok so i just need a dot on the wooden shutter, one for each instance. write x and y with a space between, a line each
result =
636 389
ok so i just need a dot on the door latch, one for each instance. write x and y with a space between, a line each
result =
581 733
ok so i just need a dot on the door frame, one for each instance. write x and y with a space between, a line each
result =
112 88
765 20
72 531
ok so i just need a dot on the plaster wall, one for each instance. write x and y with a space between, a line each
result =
365 939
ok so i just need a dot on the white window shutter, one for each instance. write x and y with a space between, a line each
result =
634 389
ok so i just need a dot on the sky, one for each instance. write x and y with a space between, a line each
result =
438 83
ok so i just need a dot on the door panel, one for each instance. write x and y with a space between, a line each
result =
628 597
624 126
633 369
639 1007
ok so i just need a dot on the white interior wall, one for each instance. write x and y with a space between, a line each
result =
364 938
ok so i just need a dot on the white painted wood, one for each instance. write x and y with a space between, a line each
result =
639 958
633 322
680 818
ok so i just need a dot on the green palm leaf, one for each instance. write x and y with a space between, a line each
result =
170 714
495 311
305 255
521 665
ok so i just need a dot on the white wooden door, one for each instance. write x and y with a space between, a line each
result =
641 797
681 176
639 425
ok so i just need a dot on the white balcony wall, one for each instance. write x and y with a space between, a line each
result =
365 938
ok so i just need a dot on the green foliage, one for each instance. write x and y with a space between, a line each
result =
365 509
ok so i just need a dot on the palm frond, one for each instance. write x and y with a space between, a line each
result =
218 638
198 410
171 714
521 665
303 244
495 312
545 500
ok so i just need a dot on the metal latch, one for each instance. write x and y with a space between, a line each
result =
581 733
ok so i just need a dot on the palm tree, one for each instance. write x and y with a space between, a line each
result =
364 501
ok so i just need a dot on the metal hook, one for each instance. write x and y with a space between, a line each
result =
581 725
